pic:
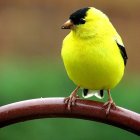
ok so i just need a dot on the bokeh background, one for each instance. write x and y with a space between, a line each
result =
31 64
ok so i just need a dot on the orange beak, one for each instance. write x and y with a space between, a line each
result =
67 25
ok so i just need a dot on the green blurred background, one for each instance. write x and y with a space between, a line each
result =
31 65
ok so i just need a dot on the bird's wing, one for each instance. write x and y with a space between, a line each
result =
123 52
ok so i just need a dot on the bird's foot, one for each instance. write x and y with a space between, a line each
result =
108 106
71 100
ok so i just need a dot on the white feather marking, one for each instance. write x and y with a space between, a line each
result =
119 41
98 95
91 93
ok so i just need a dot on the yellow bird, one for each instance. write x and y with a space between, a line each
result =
93 54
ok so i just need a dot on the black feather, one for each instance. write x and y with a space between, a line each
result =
78 16
102 93
123 53
85 92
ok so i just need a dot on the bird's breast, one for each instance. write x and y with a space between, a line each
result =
92 64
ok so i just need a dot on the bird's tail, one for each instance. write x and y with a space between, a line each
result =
89 93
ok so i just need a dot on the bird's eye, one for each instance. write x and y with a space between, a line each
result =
82 21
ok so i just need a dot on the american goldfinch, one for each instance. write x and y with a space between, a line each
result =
93 54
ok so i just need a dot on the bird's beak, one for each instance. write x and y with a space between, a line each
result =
67 25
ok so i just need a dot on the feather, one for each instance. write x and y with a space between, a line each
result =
123 52
89 93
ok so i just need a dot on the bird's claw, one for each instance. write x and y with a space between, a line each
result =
71 100
108 106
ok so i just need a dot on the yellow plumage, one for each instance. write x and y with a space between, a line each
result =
91 55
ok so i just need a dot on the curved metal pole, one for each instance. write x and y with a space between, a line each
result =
55 108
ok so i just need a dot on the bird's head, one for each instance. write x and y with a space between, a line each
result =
84 22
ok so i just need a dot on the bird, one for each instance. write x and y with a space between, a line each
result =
93 54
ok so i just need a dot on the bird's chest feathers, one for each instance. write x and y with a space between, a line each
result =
93 60
82 52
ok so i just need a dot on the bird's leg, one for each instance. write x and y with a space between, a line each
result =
109 103
72 98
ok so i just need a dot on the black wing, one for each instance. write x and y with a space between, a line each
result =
123 52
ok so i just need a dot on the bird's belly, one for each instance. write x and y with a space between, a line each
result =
94 70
